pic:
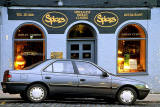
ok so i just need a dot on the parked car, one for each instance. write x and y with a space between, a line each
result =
71 78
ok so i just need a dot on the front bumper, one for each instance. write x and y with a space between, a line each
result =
143 94
13 87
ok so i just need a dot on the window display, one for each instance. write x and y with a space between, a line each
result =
132 50
29 46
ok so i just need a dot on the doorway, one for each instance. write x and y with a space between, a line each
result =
81 43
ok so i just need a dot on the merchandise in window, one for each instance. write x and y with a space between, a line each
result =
132 50
29 46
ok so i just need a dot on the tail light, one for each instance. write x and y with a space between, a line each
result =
6 76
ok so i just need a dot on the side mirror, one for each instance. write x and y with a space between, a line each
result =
104 74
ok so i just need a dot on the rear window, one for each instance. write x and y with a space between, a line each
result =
34 65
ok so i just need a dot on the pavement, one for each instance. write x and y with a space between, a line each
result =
155 98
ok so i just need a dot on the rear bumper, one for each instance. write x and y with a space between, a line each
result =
143 94
13 87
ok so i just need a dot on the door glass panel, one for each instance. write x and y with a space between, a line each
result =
86 47
86 55
63 67
49 68
74 47
74 55
88 69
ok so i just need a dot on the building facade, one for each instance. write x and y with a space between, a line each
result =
121 37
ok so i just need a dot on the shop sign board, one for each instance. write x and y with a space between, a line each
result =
106 19
56 21
56 55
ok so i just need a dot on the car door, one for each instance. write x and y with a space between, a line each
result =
61 77
91 80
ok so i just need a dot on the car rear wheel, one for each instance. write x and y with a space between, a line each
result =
36 93
127 96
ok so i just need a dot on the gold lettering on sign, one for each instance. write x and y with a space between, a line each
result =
19 14
25 14
106 19
133 14
56 55
103 19
82 14
55 19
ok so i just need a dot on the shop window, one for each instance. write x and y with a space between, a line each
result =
29 46
132 49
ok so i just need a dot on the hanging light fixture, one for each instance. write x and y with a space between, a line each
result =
60 3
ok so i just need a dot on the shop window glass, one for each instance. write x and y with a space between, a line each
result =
26 51
81 31
29 32
132 50
132 31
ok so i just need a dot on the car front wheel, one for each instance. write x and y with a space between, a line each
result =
127 96
36 93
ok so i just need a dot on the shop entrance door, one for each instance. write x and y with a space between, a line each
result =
83 50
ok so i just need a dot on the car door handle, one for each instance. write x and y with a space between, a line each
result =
82 80
47 77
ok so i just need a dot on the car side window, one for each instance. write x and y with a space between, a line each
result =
63 67
85 68
49 68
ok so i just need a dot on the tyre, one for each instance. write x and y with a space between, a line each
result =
23 96
36 93
127 96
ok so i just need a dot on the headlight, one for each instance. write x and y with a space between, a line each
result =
142 86
146 86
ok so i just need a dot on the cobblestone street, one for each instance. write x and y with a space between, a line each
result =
72 103
11 100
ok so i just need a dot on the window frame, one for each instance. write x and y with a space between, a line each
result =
146 50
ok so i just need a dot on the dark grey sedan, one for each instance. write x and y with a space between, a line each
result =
71 78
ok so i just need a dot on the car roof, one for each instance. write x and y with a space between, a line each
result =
67 60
